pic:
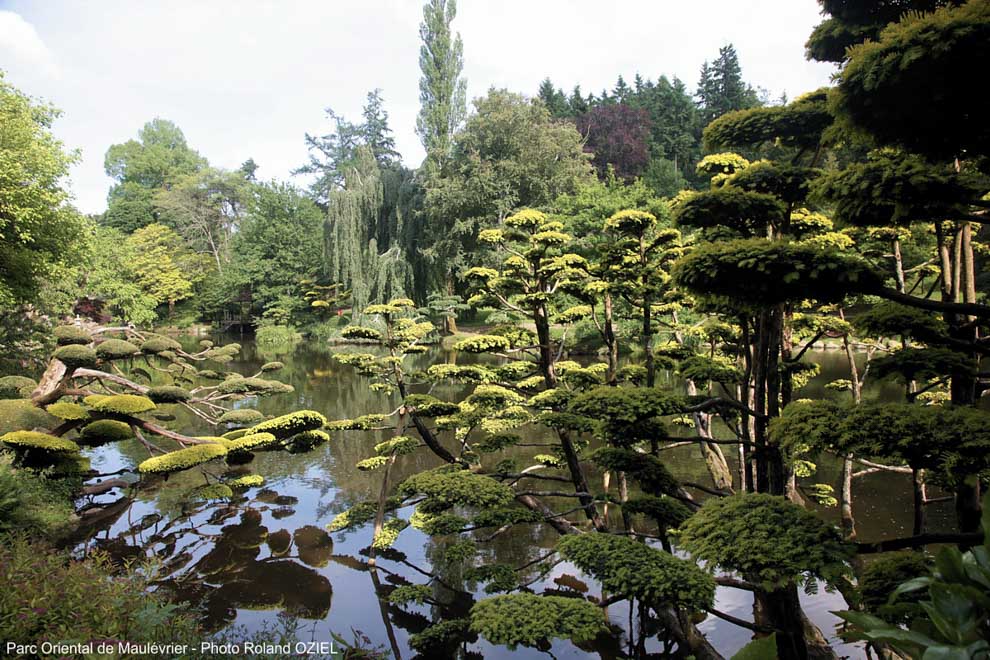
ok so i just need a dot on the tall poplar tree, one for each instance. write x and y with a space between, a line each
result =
442 90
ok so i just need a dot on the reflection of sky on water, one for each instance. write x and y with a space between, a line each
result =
232 557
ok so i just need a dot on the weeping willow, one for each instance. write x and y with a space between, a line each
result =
370 233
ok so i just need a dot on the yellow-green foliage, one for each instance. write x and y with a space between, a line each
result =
15 387
272 366
124 404
155 344
115 349
235 434
358 332
430 406
400 445
26 440
389 533
289 425
247 481
71 334
244 416
667 511
446 487
76 356
253 442
371 463
306 440
253 386
92 399
483 344
67 411
182 459
103 431
629 568
33 503
356 516
631 221
532 620
168 394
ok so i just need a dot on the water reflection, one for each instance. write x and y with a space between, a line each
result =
247 558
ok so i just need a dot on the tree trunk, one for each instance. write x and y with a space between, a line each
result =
611 343
918 491
781 609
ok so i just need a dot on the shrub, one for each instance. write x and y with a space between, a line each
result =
76 356
182 459
71 334
168 394
14 387
124 404
104 431
115 349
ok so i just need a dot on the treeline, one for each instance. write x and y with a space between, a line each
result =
183 241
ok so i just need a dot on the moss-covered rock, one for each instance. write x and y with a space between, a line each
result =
76 356
242 416
67 411
168 394
35 440
116 349
104 431
124 404
14 387
289 425
182 459
71 334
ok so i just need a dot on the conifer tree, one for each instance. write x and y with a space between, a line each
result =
442 90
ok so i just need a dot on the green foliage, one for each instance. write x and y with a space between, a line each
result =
269 334
767 539
104 431
51 596
285 426
798 124
531 620
653 476
923 54
168 394
67 411
747 213
33 504
124 404
430 406
254 441
888 319
705 369
389 533
356 516
759 272
156 344
953 621
251 385
242 416
14 387
441 635
442 90
410 593
631 569
76 356
247 481
116 349
40 232
35 440
71 334
483 344
182 459
761 648
923 363
625 415
446 487
883 576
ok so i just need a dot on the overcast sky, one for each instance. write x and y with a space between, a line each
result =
248 78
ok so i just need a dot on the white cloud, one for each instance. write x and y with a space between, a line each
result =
21 47
247 78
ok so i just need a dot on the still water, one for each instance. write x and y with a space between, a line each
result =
266 554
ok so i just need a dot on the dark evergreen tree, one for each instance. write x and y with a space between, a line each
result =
377 134
721 88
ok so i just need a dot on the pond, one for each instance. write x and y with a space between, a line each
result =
266 553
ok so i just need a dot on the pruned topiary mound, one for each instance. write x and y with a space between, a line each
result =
303 442
272 366
16 387
289 425
28 440
67 411
124 404
116 349
71 334
252 442
182 459
168 394
235 434
253 386
247 481
242 416
766 538
156 344
104 431
211 492
76 356
532 620
629 568
447 487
